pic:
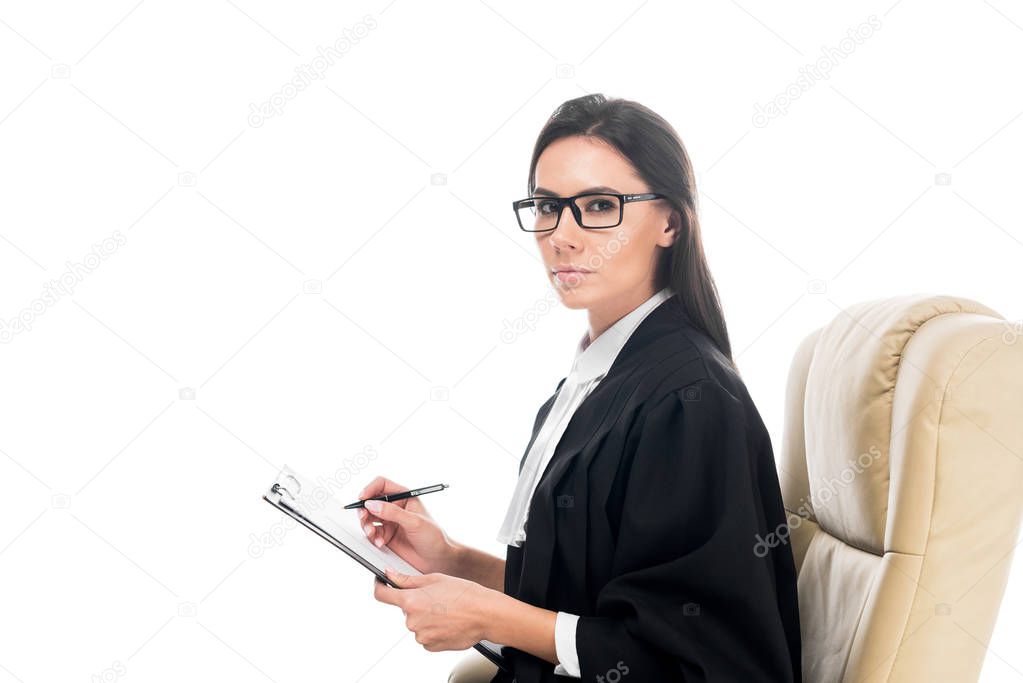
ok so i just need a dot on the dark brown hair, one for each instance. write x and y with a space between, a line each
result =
656 152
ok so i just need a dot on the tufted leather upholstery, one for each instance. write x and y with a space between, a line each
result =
902 454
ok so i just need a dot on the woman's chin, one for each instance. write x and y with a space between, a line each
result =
574 297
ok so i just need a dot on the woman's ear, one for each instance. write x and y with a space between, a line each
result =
671 230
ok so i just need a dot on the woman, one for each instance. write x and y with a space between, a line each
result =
635 535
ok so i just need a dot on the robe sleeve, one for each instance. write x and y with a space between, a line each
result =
689 598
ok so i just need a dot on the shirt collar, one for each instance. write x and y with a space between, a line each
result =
594 359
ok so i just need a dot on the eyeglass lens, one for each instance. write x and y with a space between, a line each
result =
597 211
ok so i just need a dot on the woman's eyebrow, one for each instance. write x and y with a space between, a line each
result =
599 188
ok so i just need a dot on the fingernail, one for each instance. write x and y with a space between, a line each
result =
368 529
373 505
379 542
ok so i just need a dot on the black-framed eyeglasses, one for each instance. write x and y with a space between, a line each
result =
595 210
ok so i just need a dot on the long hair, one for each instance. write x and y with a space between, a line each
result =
656 152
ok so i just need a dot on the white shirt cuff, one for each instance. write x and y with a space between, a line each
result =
564 645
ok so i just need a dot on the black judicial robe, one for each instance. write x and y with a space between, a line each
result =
647 519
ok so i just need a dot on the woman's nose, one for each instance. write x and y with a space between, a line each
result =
568 234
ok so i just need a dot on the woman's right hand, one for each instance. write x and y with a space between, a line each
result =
407 529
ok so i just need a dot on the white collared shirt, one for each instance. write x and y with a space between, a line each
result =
591 363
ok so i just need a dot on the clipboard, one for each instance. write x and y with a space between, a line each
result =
316 509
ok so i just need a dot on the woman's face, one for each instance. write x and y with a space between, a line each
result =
620 261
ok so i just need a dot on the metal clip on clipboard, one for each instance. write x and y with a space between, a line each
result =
313 507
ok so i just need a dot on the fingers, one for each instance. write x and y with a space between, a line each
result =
382 485
381 527
390 516
380 535
392 512
383 534
379 486
384 593
373 532
404 581
394 596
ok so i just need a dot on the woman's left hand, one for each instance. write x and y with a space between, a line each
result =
445 612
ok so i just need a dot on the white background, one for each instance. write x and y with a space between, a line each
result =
126 539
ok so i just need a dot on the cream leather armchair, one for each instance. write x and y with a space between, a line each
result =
473 668
903 455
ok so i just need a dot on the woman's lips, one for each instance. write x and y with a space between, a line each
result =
571 276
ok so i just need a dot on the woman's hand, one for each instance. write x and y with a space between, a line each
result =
445 612
407 528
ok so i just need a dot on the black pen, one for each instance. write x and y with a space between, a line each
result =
391 497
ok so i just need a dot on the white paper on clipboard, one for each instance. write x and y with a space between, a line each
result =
296 495
314 507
